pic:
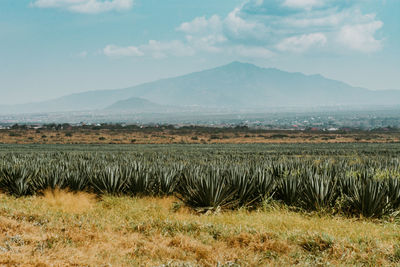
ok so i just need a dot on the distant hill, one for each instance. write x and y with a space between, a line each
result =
235 86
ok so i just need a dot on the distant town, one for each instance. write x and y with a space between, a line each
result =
386 120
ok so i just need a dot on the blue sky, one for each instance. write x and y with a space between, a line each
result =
50 48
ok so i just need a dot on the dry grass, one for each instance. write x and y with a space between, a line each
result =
170 137
65 229
67 201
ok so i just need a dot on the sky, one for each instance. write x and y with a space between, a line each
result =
50 48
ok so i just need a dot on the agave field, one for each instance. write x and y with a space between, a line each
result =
353 180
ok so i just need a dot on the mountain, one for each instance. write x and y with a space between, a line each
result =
136 104
92 100
234 86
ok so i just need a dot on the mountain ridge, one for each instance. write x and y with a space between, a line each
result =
236 85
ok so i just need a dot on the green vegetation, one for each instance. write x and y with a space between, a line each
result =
200 205
364 182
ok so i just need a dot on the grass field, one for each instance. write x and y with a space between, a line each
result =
88 228
214 136
64 229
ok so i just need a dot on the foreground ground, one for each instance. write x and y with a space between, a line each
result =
63 229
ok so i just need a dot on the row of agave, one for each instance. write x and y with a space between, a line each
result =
135 178
322 186
309 190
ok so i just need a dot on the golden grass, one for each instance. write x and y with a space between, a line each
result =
65 229
68 201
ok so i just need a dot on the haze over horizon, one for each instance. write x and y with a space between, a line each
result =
52 48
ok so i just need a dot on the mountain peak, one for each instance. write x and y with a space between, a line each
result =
238 64
134 103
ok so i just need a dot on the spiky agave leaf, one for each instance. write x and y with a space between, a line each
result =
139 179
49 178
243 181
367 196
264 184
394 192
75 181
109 180
319 191
16 180
207 188
289 189
166 180
78 178
278 170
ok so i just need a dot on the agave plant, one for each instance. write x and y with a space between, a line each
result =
110 180
244 183
394 192
367 196
278 170
289 189
319 191
217 177
49 178
17 180
139 179
207 188
77 179
166 180
264 183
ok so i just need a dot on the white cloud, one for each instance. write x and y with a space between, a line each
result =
153 49
233 26
307 4
360 37
240 28
208 43
159 49
85 6
202 25
330 20
296 25
284 25
302 43
266 28
204 34
258 2
118 51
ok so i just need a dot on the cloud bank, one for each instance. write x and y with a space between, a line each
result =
85 6
266 28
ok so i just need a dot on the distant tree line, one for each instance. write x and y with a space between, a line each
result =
188 129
